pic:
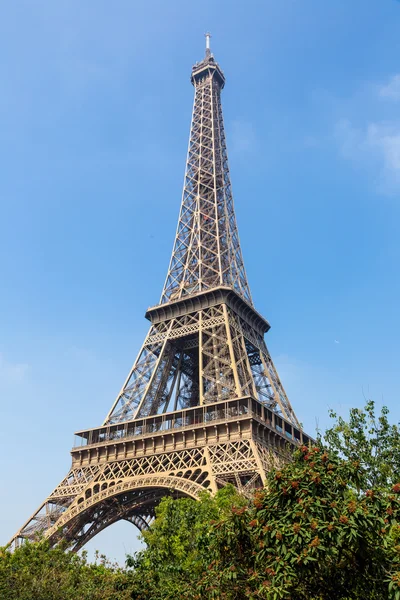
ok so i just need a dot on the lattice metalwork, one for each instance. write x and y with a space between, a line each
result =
131 489
205 347
198 358
206 251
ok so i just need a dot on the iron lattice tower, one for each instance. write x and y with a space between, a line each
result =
203 404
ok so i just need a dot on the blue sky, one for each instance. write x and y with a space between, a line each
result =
94 119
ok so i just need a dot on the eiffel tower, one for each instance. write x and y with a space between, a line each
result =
203 404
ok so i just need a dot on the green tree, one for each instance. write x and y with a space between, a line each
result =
177 545
369 439
37 572
308 536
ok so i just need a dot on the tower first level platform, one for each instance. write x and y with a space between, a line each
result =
121 471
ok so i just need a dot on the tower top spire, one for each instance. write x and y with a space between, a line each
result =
208 66
208 51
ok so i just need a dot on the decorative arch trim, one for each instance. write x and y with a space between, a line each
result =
82 503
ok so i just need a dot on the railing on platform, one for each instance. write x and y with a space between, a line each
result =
189 418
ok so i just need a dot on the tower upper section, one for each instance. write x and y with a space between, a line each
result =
208 67
206 251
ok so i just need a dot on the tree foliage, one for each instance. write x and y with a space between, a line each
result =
37 572
308 535
177 545
369 439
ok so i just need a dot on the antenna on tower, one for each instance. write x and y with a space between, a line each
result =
208 51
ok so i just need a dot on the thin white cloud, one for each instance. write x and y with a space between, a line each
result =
376 146
385 137
12 372
392 89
